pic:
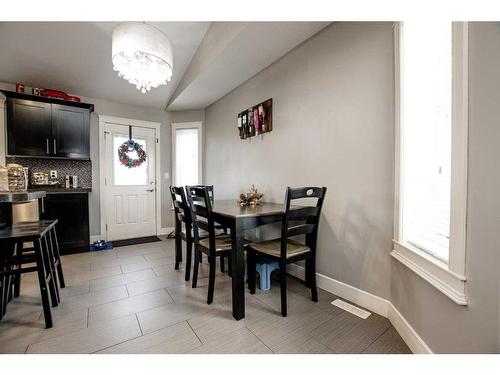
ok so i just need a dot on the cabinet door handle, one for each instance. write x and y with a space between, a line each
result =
54 142
47 143
43 205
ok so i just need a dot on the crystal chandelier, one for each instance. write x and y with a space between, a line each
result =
142 55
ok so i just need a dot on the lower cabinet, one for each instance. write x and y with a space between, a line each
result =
72 211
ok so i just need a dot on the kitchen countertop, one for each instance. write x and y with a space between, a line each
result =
21 196
56 189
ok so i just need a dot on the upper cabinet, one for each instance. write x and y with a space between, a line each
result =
70 129
48 128
29 128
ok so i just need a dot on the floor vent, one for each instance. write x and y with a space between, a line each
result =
351 308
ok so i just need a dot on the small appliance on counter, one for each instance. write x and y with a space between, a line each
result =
71 182
45 179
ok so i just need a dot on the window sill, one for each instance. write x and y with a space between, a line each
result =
432 271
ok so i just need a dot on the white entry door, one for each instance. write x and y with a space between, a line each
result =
130 193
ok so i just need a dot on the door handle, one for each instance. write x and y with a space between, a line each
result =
150 190
54 143
47 144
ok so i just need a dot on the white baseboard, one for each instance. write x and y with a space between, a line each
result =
406 331
371 302
165 231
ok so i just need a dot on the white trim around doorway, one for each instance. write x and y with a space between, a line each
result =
102 171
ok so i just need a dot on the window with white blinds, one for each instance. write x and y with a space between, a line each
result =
426 129
431 130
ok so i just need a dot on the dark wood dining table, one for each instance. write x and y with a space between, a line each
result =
239 219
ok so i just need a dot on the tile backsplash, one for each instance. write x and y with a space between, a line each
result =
80 168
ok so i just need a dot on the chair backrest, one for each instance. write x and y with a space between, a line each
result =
210 189
181 208
200 204
302 220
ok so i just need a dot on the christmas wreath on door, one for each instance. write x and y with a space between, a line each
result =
128 147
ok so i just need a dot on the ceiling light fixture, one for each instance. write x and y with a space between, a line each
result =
142 55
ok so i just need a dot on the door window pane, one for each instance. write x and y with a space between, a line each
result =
123 175
186 157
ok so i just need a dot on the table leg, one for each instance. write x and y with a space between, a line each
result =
238 270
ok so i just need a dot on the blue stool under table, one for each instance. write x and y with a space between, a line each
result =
264 269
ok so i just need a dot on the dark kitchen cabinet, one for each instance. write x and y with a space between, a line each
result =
47 128
29 127
72 211
70 127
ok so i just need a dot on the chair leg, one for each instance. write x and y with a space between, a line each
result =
211 279
54 294
189 253
196 266
60 273
230 265
17 279
40 265
222 263
2 281
307 276
52 263
311 267
283 289
178 250
251 271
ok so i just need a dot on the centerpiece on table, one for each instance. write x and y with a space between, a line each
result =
252 198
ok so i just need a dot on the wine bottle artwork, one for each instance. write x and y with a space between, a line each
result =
256 120
262 116
240 126
251 128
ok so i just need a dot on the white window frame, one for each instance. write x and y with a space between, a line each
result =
188 125
448 278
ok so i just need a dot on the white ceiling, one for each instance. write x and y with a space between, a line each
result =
256 46
75 57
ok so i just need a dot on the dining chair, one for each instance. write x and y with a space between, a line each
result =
214 245
297 220
183 228
218 227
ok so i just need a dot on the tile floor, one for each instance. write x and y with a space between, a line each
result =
131 300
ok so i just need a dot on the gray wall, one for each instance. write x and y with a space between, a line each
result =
333 126
445 326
